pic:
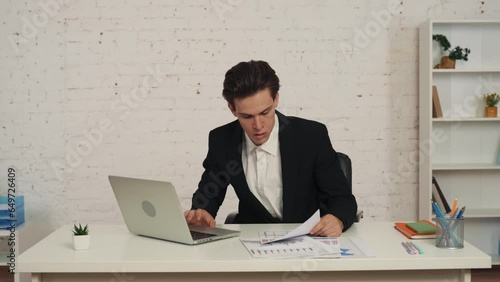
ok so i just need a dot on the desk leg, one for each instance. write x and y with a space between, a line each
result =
36 277
465 275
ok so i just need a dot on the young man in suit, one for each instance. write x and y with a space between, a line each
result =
282 168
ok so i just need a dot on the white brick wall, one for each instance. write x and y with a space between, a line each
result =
68 66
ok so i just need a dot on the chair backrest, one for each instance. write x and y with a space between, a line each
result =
346 165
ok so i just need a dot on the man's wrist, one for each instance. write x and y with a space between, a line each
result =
342 222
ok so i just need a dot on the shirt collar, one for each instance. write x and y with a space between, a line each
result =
271 146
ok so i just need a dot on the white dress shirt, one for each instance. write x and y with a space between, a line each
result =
262 166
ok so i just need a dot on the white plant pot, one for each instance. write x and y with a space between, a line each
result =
81 242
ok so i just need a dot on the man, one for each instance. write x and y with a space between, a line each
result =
282 169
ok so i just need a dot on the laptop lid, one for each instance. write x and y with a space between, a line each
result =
152 208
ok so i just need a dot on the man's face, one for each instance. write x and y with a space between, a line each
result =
256 115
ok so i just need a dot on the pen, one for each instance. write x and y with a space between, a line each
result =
413 250
420 251
434 208
437 210
461 212
441 214
408 249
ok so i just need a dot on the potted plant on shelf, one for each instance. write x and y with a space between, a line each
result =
81 237
491 100
457 53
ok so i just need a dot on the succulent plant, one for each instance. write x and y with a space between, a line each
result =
79 230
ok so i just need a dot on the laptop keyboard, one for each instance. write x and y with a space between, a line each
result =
198 235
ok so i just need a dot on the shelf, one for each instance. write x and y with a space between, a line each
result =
465 21
471 70
469 166
472 119
4 233
495 259
482 213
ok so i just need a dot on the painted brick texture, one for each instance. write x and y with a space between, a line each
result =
92 88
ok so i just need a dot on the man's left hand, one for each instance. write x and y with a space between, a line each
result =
328 226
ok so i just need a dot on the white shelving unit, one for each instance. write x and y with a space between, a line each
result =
460 149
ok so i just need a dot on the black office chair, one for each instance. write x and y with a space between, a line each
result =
345 164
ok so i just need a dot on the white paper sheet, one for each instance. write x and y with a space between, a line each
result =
303 229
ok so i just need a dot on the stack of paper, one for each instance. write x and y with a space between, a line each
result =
11 211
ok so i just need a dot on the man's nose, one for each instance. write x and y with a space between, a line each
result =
257 123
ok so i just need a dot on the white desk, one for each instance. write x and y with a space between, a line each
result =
117 255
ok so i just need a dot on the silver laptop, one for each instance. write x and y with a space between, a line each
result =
151 208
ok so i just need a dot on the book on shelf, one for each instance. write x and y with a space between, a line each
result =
437 112
438 196
428 229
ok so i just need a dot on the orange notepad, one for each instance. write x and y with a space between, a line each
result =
410 234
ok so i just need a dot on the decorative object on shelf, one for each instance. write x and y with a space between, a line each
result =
439 197
491 100
81 237
457 53
437 112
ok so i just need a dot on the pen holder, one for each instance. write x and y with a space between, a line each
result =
450 233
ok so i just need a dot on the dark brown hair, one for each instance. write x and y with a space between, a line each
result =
247 78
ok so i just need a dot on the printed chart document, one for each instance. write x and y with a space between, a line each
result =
350 247
299 246
303 229
296 243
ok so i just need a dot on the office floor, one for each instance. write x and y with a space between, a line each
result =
486 275
5 275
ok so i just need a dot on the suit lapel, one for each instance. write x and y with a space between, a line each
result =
289 165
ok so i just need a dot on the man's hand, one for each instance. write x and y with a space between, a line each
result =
328 226
199 217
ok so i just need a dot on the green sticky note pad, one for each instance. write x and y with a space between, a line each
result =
421 227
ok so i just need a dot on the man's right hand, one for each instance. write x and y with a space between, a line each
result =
199 217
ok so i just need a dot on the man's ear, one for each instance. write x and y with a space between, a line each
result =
232 109
276 99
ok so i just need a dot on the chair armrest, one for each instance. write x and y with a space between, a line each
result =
359 216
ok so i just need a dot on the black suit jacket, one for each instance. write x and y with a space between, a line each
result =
311 175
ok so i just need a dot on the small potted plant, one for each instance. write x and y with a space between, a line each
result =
491 100
81 237
457 53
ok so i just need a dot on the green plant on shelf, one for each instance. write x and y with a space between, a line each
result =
457 53
80 231
491 99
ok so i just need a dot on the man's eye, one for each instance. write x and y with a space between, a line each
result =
265 113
